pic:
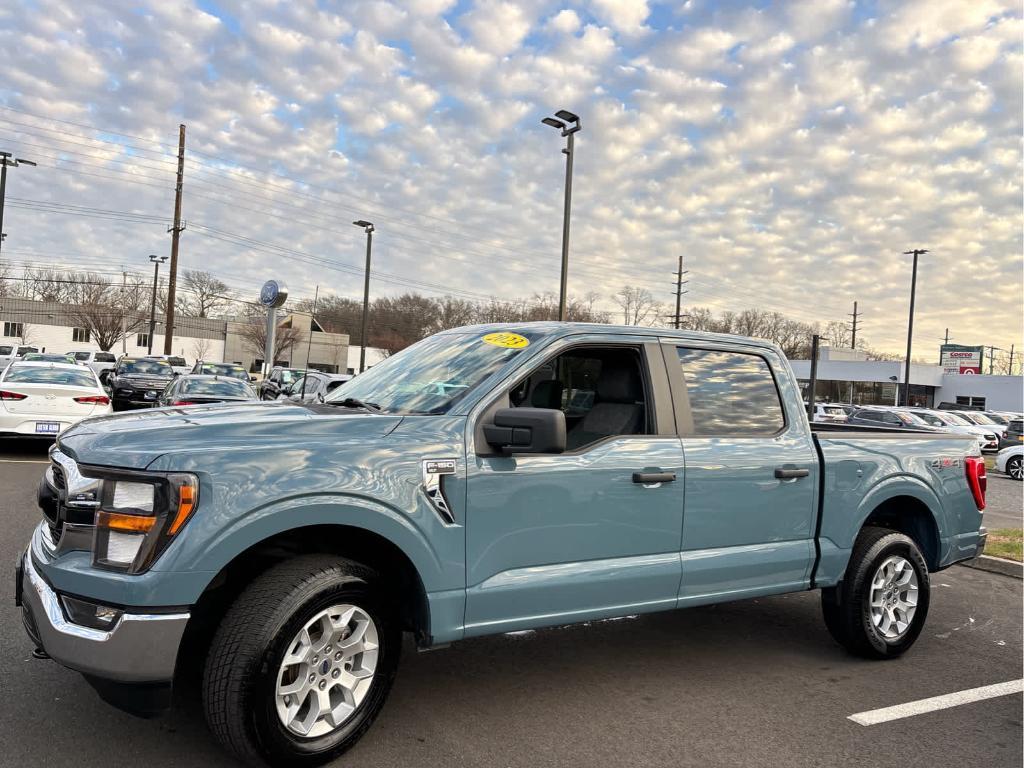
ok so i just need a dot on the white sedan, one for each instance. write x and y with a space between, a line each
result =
43 399
1011 461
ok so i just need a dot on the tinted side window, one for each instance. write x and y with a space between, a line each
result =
105 357
731 393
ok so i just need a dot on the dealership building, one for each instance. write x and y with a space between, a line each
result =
847 376
54 327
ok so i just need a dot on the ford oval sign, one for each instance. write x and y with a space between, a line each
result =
273 294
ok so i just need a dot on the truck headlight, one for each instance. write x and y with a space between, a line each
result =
139 516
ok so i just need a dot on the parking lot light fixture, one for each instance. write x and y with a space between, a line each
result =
568 124
157 261
916 252
7 160
369 229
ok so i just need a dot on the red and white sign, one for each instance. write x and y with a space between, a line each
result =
962 360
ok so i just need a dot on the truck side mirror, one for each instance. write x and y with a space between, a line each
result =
527 430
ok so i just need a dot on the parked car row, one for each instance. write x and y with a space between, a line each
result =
989 428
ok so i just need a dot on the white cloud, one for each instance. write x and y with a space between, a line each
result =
497 26
626 16
566 22
790 151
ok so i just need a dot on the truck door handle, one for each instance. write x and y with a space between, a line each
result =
791 473
647 478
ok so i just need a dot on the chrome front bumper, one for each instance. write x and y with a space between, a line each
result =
140 647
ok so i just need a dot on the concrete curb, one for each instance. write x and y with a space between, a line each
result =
998 565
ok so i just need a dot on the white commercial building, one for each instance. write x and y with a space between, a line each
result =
847 376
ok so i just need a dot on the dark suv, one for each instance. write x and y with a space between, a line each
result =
1014 434
889 419
138 382
279 380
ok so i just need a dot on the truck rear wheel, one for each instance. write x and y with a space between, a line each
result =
880 607
301 663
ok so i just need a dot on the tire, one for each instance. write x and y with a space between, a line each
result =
1015 467
847 608
244 664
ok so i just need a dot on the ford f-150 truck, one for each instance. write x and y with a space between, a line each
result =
486 479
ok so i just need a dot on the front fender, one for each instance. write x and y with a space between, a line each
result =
220 544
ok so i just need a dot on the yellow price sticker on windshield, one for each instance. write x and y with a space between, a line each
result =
506 340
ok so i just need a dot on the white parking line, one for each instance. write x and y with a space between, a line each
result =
24 461
922 706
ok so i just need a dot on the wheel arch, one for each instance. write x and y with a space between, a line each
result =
911 516
372 549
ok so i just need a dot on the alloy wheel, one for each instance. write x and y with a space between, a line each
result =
327 670
893 597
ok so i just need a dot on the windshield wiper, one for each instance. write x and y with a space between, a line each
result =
352 402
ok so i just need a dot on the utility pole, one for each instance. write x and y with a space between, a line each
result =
910 325
946 340
172 281
991 358
679 292
7 161
853 337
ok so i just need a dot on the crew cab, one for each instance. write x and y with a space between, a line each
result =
487 479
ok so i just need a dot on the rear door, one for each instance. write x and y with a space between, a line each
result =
751 473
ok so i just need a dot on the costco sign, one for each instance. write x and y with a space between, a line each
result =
956 358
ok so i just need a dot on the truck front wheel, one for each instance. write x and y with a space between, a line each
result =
301 663
881 605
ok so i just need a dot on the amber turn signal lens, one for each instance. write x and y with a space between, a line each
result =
186 503
127 523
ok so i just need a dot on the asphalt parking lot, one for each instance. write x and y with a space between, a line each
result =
753 683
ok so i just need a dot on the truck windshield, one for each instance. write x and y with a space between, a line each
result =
433 374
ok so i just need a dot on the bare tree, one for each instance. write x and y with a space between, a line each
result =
638 305
200 348
254 333
203 294
107 310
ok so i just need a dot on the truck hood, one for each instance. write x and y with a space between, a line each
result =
135 439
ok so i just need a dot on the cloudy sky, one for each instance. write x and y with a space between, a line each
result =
790 151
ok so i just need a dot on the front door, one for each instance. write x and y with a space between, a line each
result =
751 475
585 534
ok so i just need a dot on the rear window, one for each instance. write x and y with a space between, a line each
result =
6 349
222 387
59 376
180 361
26 350
225 369
105 357
731 393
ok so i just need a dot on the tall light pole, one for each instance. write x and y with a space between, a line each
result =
568 124
157 261
7 160
368 229
910 326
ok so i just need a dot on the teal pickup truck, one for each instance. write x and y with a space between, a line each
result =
485 480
